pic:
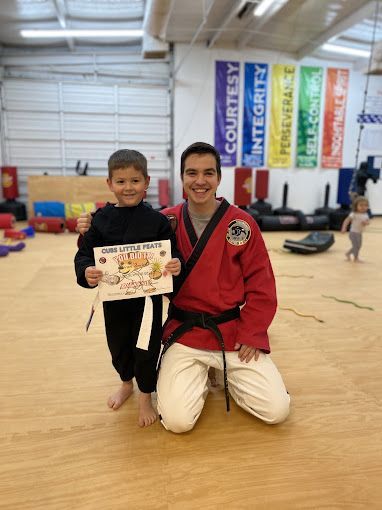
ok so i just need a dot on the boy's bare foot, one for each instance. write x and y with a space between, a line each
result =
119 397
147 414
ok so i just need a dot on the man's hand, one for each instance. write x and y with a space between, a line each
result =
93 275
246 352
84 222
173 266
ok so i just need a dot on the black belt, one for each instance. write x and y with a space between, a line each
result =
205 321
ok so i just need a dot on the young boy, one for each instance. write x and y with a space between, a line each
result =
128 221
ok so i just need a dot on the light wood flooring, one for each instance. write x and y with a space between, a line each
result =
62 448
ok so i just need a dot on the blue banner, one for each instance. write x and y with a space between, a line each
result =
227 77
255 104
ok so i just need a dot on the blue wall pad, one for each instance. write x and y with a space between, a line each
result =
344 180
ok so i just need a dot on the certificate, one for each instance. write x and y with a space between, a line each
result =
133 270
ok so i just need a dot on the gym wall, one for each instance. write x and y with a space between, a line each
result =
194 120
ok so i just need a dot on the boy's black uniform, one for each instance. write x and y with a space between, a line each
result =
127 225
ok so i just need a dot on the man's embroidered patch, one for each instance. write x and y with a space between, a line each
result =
238 232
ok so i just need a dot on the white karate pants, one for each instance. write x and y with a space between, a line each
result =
182 388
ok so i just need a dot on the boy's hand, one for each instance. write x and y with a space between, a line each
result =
84 222
246 352
93 276
173 266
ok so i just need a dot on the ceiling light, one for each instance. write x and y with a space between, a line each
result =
262 7
346 50
80 33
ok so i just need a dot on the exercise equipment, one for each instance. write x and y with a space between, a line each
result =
325 209
243 186
81 171
261 193
337 217
74 210
14 234
71 224
315 242
41 224
29 231
10 193
7 220
299 221
49 209
284 210
13 247
164 193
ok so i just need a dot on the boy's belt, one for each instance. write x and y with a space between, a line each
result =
205 321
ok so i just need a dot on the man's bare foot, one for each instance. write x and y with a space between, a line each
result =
358 260
347 257
147 414
119 397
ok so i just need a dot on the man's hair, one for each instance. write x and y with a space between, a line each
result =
125 158
200 148
359 199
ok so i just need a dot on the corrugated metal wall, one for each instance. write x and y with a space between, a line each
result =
47 126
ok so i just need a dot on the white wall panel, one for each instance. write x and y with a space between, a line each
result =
49 125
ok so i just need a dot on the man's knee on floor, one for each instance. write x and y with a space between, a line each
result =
177 422
278 410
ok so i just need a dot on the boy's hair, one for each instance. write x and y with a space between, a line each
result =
125 158
200 148
358 200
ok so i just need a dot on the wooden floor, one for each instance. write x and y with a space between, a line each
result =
62 448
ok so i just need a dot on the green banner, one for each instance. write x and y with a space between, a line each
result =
309 107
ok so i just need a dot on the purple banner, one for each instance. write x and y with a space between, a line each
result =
227 76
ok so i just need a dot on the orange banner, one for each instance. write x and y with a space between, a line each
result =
337 81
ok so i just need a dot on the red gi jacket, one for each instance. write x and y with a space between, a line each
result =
229 267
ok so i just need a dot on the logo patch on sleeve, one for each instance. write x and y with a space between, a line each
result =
238 232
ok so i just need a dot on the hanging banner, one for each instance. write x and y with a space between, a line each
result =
227 77
337 82
255 103
309 108
280 139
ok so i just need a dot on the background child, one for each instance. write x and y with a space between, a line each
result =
357 219
128 221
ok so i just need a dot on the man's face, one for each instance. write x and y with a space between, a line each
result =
200 178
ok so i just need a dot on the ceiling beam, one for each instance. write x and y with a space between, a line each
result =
257 23
356 17
60 9
232 13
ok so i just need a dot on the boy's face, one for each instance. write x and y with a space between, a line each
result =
128 185
200 178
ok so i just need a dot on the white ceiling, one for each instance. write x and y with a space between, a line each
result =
297 27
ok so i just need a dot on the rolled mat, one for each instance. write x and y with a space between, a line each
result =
7 220
14 234
41 224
